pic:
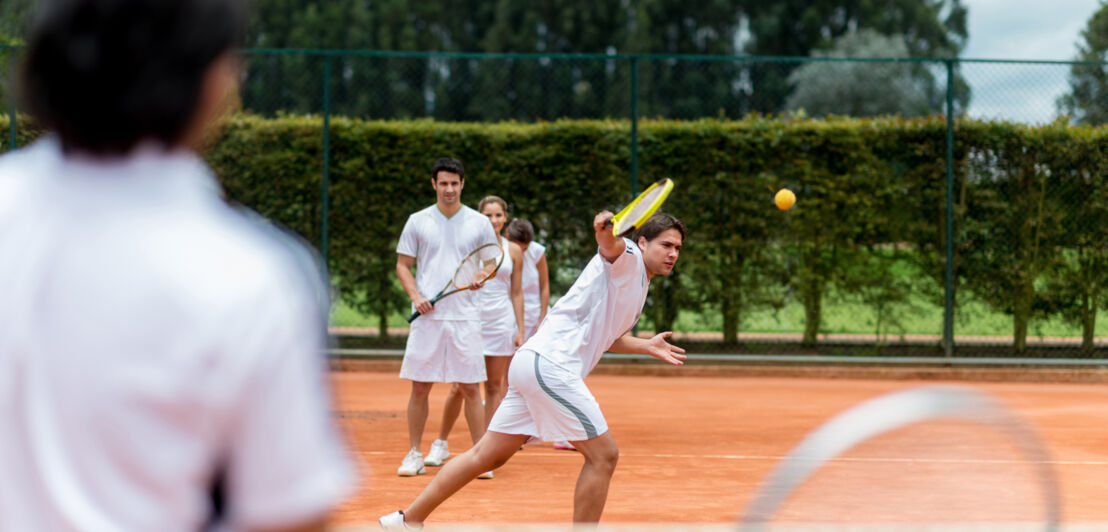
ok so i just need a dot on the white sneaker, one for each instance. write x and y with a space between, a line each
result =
412 464
439 453
395 521
485 475
564 446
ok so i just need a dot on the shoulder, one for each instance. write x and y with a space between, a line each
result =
472 215
515 250
420 221
235 261
19 168
421 215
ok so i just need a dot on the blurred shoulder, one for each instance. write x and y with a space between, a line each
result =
19 168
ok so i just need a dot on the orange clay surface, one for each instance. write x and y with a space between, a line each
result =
692 449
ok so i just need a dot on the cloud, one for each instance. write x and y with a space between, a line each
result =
1021 30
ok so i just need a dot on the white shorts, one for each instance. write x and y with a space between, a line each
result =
548 402
498 334
444 351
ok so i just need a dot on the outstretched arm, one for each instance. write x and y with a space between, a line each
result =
610 245
656 347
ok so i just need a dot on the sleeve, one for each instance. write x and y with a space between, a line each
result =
539 251
628 266
287 462
408 244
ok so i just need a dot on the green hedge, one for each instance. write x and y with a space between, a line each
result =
1031 205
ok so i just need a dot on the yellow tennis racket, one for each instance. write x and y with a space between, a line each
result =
641 209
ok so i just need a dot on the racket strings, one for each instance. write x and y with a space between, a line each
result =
645 205
479 265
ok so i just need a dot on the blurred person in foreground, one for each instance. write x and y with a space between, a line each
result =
161 353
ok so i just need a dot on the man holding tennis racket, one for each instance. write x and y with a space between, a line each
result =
444 343
547 397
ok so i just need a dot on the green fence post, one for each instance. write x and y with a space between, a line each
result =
326 156
11 123
12 118
634 126
948 314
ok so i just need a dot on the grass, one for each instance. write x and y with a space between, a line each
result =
920 316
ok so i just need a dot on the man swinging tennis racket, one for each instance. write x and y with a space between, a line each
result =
547 397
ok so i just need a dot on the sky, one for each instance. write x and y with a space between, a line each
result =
1021 30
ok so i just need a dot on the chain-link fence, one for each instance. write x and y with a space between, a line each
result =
1016 266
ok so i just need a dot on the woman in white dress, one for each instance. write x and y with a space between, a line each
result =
502 330
536 277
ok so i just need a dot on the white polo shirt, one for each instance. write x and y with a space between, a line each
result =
602 305
151 336
438 244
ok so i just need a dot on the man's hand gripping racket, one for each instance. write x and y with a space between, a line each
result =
479 266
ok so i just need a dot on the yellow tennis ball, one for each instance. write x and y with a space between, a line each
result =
784 199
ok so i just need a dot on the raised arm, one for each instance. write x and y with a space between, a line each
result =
404 265
656 347
610 245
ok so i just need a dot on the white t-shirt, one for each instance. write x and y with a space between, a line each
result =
438 244
150 337
601 306
529 282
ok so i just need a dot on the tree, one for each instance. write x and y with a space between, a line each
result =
1087 101
929 28
856 88
13 19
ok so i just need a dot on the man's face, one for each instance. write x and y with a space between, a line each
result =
660 254
448 188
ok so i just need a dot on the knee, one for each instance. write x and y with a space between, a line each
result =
494 389
470 392
421 389
606 459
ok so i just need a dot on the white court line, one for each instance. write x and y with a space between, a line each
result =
753 457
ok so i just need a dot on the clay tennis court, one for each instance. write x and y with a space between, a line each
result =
694 448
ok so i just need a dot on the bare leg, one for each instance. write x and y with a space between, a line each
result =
475 412
490 452
417 412
450 411
497 385
601 455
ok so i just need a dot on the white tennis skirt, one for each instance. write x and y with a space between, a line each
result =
498 333
444 351
548 402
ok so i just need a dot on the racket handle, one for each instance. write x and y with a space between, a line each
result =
415 314
607 223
